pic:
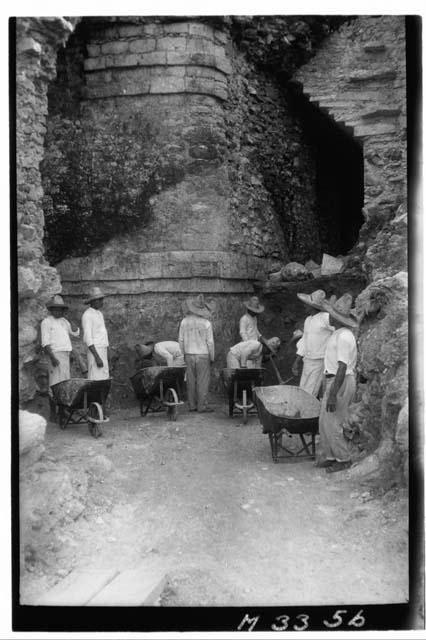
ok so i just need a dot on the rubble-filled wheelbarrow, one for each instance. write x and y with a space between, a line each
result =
159 384
80 400
288 410
239 385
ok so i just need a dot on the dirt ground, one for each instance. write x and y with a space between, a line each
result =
202 497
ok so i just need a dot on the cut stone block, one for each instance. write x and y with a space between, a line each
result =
133 588
386 112
331 265
78 588
369 76
374 47
374 129
115 47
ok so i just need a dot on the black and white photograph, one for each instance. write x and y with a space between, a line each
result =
216 286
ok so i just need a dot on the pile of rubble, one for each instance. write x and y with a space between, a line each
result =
295 271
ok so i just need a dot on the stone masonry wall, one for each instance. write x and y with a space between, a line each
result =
218 229
358 78
36 43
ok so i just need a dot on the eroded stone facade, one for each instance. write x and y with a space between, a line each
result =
232 135
218 229
37 41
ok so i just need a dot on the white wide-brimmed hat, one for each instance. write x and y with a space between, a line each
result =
254 305
56 302
314 299
95 294
200 307
274 343
342 310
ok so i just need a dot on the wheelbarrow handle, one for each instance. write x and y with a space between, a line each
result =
280 380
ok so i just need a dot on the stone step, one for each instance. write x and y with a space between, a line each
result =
375 47
374 129
78 588
382 112
133 588
369 75
322 98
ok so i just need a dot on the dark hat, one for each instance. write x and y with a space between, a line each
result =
58 302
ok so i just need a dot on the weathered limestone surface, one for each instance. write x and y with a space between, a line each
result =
363 67
219 228
36 43
49 494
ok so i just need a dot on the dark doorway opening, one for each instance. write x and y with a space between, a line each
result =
339 178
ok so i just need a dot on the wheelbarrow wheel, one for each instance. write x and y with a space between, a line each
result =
231 406
62 418
95 416
172 398
245 407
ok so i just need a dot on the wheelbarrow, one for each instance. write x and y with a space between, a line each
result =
163 384
239 385
80 400
286 409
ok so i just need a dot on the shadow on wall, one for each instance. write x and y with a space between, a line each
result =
339 178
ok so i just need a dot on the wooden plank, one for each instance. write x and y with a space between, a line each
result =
133 588
78 588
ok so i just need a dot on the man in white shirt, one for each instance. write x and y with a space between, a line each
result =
249 352
163 354
168 353
55 340
311 346
339 368
248 322
95 337
197 344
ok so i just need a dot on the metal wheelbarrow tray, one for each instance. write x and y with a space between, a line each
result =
163 383
288 409
80 400
239 385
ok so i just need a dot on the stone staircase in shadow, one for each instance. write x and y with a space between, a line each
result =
359 82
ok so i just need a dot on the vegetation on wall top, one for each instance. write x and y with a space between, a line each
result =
98 180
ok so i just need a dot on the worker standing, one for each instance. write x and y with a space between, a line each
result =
197 345
248 322
311 346
55 340
95 336
339 370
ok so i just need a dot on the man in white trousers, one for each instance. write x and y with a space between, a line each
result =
311 346
95 336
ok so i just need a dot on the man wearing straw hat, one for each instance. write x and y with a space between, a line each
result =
164 354
95 336
55 340
311 346
248 322
197 345
249 352
249 329
339 370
